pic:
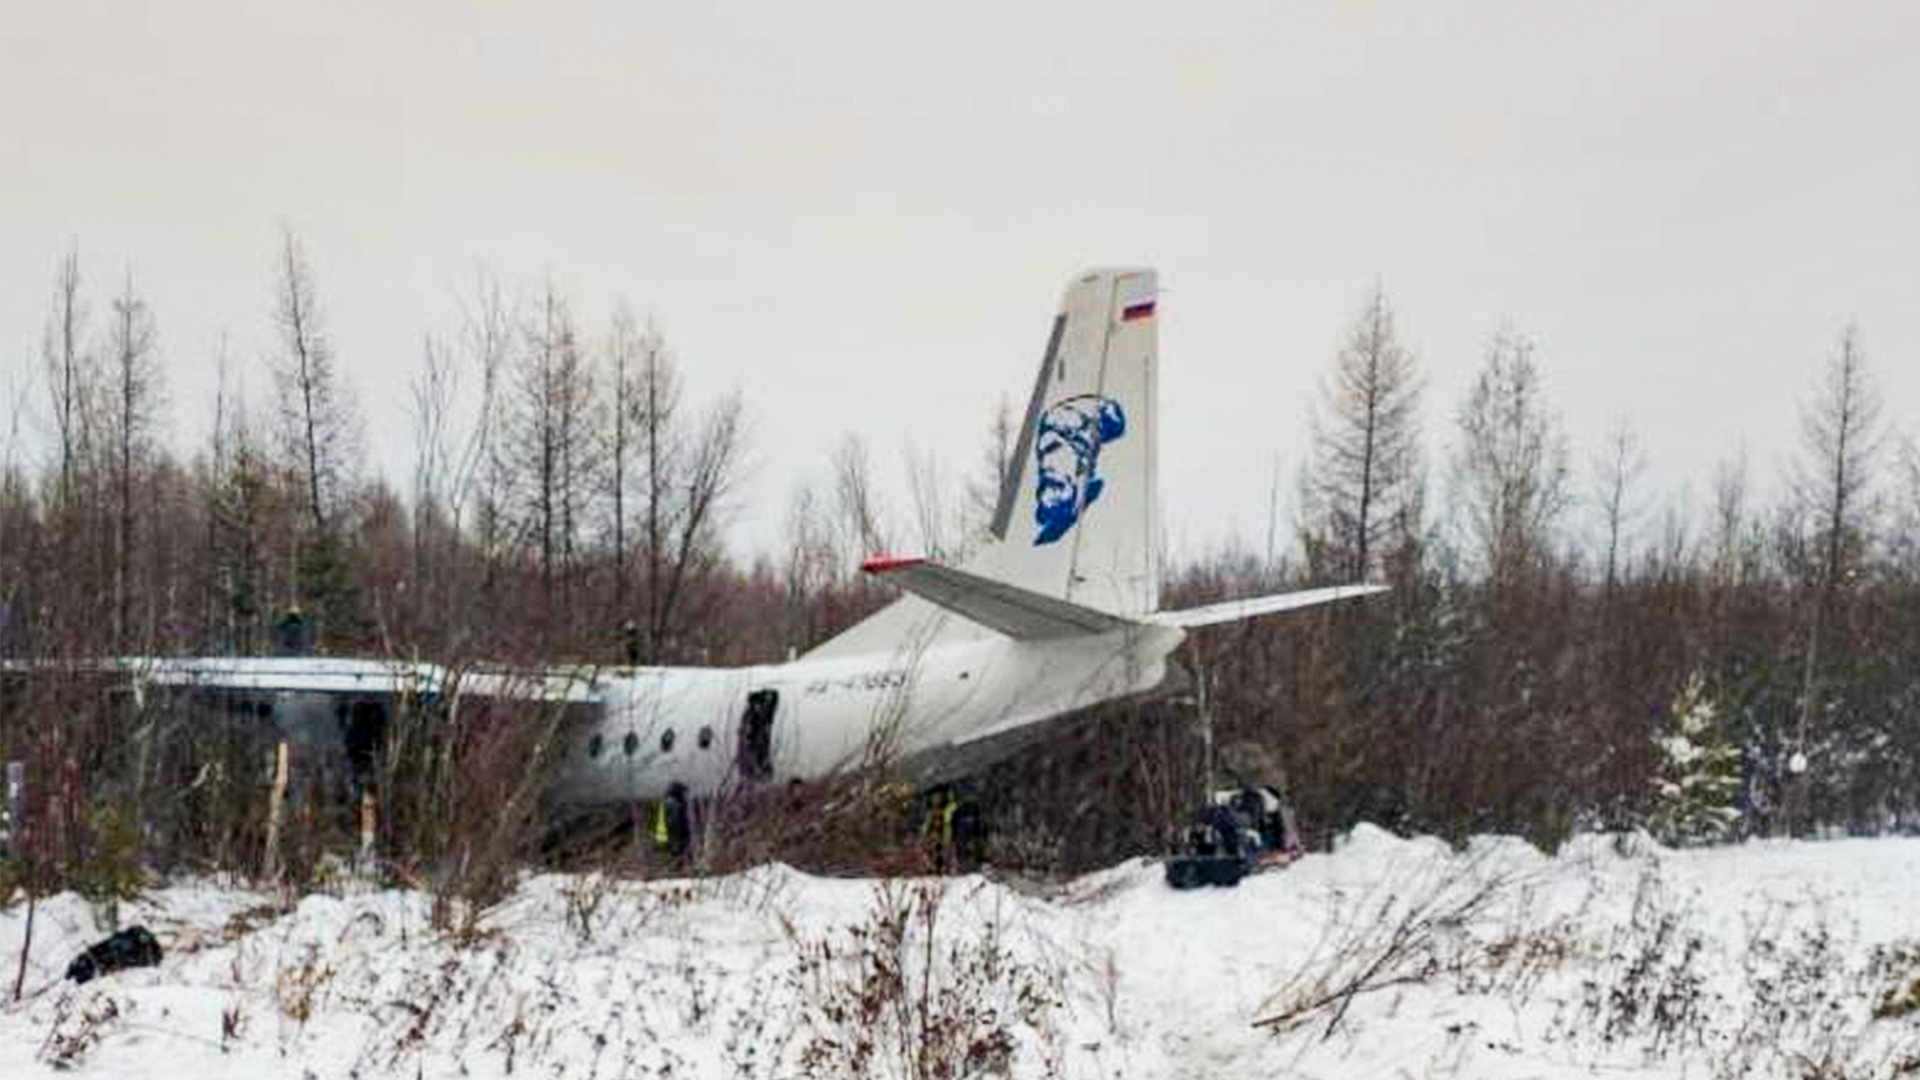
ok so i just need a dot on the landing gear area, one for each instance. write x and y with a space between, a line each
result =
1241 831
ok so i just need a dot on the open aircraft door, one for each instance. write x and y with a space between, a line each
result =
754 754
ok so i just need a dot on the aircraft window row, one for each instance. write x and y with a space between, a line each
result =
597 744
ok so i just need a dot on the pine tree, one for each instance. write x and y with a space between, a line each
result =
1697 788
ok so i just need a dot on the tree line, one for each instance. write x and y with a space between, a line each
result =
566 502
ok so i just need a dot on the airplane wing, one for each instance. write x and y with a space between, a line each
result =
1018 613
331 676
1231 610
308 675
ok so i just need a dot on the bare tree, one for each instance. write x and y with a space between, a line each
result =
431 396
1362 481
481 477
1511 464
1833 483
243 510
1616 469
810 567
136 399
861 521
644 438
1834 501
928 495
1907 549
1732 549
711 466
64 355
433 400
549 438
18 519
990 474
319 427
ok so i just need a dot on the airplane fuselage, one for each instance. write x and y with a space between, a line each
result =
709 728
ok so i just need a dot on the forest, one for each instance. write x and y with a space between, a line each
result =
1560 651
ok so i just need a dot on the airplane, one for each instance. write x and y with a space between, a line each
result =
1057 612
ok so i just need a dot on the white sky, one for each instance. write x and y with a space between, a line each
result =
861 215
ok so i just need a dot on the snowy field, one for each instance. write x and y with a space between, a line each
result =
1388 958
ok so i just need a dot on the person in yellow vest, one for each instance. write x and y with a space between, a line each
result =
953 832
673 825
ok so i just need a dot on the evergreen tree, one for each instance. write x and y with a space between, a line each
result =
1696 790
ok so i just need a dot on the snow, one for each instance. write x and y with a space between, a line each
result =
1615 956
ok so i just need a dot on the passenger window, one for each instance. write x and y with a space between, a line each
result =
706 737
666 740
632 744
595 745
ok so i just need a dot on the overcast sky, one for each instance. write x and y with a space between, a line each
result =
861 215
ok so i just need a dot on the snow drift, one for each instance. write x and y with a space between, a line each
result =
1388 957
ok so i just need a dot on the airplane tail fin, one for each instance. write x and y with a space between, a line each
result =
1078 514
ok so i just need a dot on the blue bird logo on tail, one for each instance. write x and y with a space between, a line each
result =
1067 452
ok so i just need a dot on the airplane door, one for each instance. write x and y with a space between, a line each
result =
754 755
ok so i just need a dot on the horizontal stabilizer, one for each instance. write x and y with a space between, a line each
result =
1231 610
1018 613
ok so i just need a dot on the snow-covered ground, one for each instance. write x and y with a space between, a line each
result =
1388 958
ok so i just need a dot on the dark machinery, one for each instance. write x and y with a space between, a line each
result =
1241 831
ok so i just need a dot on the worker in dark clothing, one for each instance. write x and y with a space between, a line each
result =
673 825
1221 831
966 834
